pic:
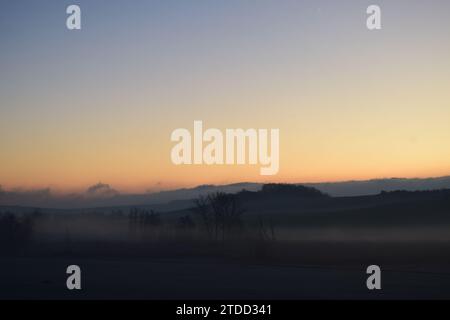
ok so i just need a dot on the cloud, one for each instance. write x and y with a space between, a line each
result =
100 194
101 190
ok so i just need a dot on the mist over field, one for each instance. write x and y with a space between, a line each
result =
279 225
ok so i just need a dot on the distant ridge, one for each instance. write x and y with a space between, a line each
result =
375 186
109 197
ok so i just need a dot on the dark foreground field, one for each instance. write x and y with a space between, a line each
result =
23 278
283 271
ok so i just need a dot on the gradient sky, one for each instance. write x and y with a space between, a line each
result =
79 107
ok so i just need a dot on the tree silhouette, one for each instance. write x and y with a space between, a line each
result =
141 219
220 212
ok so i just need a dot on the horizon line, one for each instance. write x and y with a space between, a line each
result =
119 192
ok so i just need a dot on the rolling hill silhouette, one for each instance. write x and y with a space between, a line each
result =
103 195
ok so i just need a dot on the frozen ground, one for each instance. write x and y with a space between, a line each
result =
30 278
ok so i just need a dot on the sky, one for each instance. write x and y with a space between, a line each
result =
99 104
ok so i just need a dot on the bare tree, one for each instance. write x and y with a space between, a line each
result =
203 209
220 212
266 229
